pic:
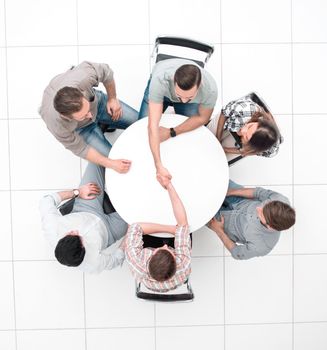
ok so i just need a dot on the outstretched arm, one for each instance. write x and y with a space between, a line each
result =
178 206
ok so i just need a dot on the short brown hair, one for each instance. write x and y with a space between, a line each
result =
279 216
162 265
68 100
187 76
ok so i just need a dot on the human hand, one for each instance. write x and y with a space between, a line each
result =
217 225
164 133
114 108
163 176
89 191
120 165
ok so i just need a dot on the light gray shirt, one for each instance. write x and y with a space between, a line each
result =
162 83
84 77
242 225
91 229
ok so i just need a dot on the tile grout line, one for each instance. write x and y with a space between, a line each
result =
150 60
222 101
81 170
144 44
9 171
292 110
165 326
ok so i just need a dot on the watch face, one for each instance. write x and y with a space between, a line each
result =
172 132
76 193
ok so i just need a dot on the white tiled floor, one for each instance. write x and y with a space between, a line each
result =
277 48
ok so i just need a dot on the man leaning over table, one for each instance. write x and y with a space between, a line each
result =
73 111
190 89
81 239
250 220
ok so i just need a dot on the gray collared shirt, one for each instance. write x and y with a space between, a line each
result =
243 226
84 77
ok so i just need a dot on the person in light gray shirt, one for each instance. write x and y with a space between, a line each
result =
250 220
190 89
74 112
81 239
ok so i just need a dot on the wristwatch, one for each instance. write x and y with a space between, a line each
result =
76 193
172 132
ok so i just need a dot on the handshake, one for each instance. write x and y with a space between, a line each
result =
163 176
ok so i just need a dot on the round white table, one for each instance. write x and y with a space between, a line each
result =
196 162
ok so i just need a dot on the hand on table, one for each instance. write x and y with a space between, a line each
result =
164 133
120 165
89 191
114 108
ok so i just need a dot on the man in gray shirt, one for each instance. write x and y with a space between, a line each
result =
72 110
192 92
253 218
82 238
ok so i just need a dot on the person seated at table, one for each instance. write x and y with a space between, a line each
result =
256 127
81 239
190 89
75 112
164 268
250 220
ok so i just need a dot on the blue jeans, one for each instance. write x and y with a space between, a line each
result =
230 201
187 109
92 133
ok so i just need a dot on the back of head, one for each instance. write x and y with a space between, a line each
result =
265 136
162 265
187 76
279 215
70 251
68 100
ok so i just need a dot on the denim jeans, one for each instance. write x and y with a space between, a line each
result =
186 109
92 133
116 226
230 201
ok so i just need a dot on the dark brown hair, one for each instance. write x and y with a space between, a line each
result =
68 100
279 216
162 265
187 76
264 137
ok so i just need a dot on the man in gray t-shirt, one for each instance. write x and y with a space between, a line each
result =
187 87
253 218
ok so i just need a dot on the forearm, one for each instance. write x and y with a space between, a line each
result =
220 126
154 142
148 228
67 194
228 243
177 204
111 89
241 192
232 150
191 123
95 157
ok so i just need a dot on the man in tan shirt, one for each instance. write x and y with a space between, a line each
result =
72 110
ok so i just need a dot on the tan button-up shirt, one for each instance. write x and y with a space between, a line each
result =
84 77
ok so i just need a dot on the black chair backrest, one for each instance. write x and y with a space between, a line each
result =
184 42
255 98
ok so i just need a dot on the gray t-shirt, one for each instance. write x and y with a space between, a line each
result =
242 225
84 77
162 83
